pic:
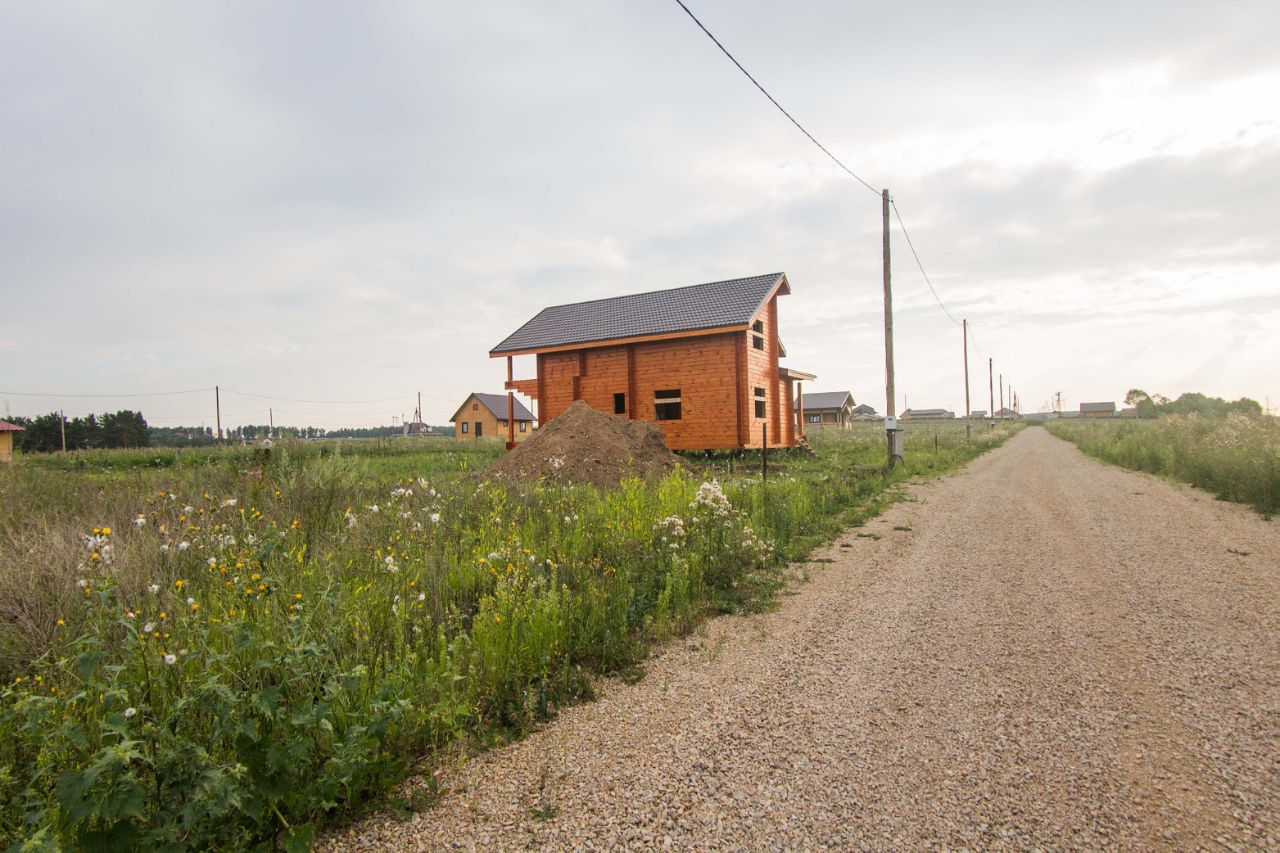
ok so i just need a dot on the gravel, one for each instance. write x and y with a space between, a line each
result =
1055 654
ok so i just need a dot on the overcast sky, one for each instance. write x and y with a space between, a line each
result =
351 202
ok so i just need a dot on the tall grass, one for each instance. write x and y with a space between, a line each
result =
1236 458
222 653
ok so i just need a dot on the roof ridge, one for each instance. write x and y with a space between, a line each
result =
773 275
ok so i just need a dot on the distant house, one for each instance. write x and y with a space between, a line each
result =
978 414
418 429
1097 410
1130 412
863 412
826 409
699 361
1007 414
6 440
485 416
927 415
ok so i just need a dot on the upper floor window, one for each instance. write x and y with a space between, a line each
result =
757 334
760 402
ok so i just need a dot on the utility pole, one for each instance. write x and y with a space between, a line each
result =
271 422
62 425
991 392
217 403
968 421
890 422
1002 392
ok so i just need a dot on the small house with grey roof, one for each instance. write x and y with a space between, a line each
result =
486 416
826 409
702 362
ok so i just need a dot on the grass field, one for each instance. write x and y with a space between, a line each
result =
1236 458
213 648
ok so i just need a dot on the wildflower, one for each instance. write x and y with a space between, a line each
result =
82 583
422 596
213 561
170 660
435 518
351 520
148 628
164 547
129 712
139 521
179 584
106 531
61 623
372 507
191 601
230 502
154 588
183 545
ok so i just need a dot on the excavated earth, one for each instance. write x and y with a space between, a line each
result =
1042 652
585 447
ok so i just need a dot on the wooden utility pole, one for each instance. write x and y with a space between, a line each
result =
62 425
968 411
991 391
764 454
217 403
1002 392
271 422
888 328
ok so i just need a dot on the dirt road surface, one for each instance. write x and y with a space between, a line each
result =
1040 652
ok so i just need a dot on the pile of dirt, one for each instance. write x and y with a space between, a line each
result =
587 447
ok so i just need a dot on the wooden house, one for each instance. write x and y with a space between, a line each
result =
827 410
1097 410
700 361
928 415
486 416
6 440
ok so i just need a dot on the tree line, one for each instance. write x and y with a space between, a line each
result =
1191 403
129 429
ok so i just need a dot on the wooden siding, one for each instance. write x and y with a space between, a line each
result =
6 446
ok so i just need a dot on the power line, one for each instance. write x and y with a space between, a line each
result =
321 402
773 100
903 225
150 394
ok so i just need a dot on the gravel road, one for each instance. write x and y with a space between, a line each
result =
1040 652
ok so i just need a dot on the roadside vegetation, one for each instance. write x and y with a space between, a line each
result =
220 648
1234 456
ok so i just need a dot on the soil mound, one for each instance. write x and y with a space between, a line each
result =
587 447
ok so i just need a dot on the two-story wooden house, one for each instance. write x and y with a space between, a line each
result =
699 361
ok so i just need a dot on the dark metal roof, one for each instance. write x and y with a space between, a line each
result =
682 309
1097 407
497 405
827 399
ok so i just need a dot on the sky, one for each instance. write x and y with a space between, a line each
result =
327 208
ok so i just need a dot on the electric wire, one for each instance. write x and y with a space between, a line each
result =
108 396
773 100
915 255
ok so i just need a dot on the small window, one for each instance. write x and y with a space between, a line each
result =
757 334
760 402
503 423
619 404
524 426
758 327
814 419
475 407
666 405
465 427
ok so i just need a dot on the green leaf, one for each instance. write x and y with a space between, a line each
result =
299 838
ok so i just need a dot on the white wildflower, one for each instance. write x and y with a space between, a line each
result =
422 596
351 520
82 583
191 600
372 507
148 628
140 520
184 545
129 712
213 562
230 502
435 518
170 660
154 588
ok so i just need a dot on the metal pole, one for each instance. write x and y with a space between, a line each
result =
888 323
764 453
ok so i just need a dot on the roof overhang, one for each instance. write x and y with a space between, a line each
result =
615 342
795 375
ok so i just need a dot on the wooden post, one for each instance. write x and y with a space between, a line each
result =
800 409
217 404
764 453
1002 392
888 320
62 426
271 422
511 405
968 411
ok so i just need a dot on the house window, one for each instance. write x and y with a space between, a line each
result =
503 423
465 427
760 402
479 429
619 404
475 407
524 426
666 405
814 419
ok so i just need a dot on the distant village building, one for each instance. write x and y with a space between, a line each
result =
1007 414
485 416
827 409
863 412
978 414
1130 412
420 430
927 415
6 440
700 361
1097 410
